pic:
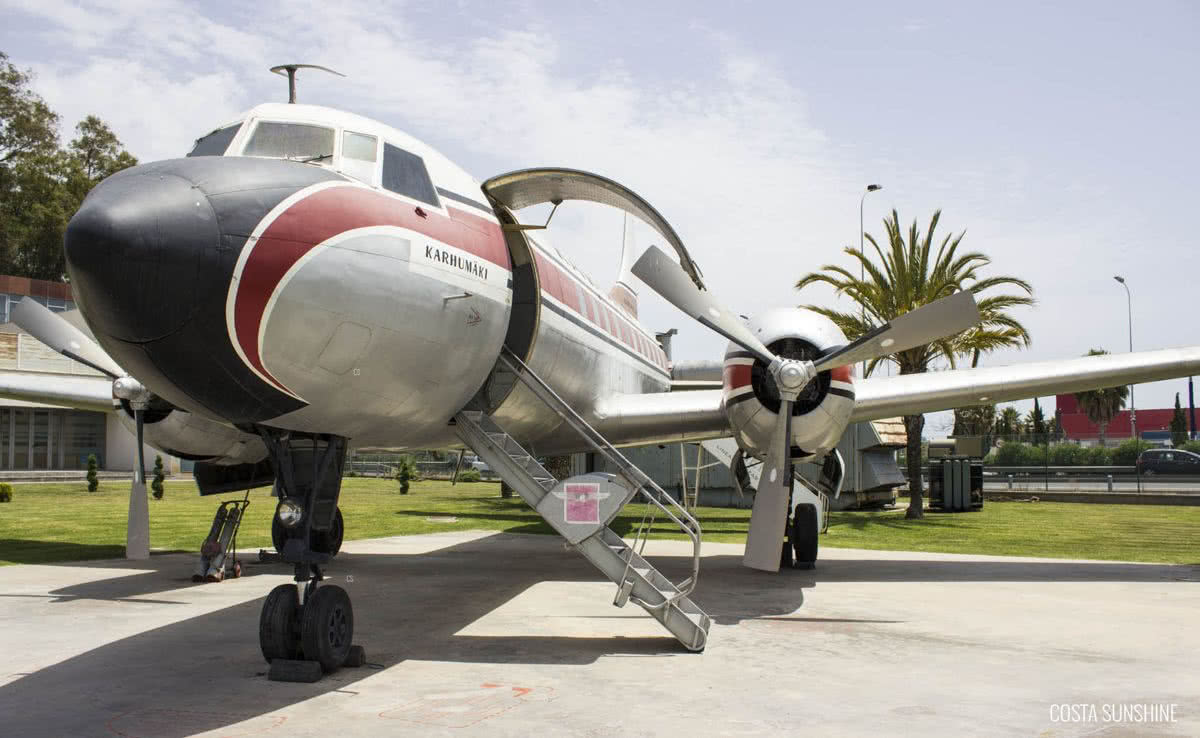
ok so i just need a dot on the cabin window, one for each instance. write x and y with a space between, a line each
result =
359 154
297 141
215 143
405 174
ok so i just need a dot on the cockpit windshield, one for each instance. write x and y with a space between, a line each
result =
298 141
215 143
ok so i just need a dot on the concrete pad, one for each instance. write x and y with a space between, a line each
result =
512 635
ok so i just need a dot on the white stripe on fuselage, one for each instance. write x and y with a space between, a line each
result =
491 283
244 256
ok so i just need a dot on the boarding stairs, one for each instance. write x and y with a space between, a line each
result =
582 508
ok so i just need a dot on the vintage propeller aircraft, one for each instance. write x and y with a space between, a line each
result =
307 279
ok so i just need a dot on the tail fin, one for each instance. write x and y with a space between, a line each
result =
622 292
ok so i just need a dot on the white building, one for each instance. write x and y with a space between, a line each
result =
35 436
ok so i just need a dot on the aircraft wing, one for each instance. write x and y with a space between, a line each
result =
883 397
81 393
666 417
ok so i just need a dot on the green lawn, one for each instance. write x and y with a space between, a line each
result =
64 522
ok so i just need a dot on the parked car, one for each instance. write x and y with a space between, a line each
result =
1168 461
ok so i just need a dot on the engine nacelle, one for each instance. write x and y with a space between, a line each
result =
190 436
821 412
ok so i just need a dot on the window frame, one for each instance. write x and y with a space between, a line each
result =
247 135
340 157
438 203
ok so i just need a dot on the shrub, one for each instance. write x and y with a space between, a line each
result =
406 471
92 480
469 475
1067 454
157 483
1126 454
1014 453
1193 446
1098 456
5 492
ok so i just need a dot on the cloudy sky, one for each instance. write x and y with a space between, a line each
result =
1062 139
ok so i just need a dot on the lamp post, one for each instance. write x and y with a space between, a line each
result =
862 274
1129 308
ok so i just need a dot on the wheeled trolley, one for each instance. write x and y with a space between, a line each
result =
218 553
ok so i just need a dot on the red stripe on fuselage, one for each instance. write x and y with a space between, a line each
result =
325 214
737 375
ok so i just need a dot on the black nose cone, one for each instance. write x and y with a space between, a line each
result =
138 252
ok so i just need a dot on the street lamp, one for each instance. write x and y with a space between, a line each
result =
1129 307
862 275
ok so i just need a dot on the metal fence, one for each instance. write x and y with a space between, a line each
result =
1052 467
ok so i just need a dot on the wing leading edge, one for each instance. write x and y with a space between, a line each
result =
81 393
884 397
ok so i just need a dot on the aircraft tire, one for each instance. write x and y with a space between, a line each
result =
330 541
804 536
278 625
327 627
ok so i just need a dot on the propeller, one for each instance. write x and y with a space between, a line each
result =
926 324
46 326
51 329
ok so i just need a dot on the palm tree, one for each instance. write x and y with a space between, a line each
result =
910 274
1102 405
1008 423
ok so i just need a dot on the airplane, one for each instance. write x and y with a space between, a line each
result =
306 279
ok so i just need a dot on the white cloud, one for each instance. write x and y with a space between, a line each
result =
730 154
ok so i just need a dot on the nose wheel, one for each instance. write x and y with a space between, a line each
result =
303 641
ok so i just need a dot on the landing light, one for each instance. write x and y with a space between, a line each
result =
290 513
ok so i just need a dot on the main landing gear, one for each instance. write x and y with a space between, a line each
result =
305 636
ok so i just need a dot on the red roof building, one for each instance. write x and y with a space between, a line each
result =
1077 427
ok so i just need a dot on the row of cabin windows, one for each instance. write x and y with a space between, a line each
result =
403 172
599 314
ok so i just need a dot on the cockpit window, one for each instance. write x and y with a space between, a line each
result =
405 173
359 156
215 143
291 141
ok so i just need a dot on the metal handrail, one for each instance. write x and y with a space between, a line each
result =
645 486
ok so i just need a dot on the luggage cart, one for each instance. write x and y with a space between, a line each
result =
218 553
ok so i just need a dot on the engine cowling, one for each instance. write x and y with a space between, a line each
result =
821 412
190 436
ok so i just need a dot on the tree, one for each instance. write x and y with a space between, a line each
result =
1008 423
1179 428
1102 405
974 421
1056 429
94 154
156 484
909 274
1037 422
41 184
92 480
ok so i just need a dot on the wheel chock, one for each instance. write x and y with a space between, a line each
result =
288 670
357 656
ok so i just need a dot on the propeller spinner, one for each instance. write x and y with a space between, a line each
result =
934 321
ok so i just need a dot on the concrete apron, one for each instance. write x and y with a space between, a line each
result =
503 634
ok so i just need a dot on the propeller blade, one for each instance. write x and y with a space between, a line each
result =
926 324
768 519
41 322
137 531
668 279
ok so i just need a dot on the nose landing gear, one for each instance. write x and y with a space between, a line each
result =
303 638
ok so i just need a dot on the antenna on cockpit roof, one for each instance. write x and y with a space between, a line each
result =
289 70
